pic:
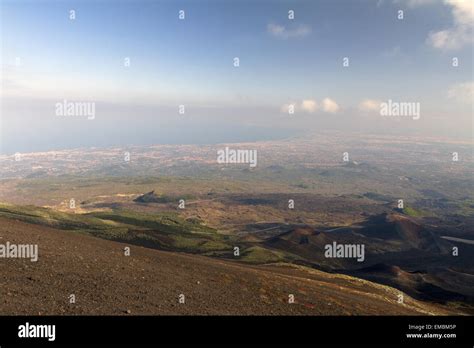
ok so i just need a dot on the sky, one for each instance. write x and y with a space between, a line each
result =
137 62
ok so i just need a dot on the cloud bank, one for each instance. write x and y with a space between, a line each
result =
461 33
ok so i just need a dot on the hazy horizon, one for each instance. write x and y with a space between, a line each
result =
137 63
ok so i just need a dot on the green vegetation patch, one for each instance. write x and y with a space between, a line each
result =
259 255
163 231
410 211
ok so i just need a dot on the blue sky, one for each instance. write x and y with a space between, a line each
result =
190 62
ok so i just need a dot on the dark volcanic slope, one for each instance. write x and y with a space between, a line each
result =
417 284
150 281
399 252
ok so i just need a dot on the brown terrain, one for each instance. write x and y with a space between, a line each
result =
148 282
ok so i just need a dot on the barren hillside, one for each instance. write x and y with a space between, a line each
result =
105 281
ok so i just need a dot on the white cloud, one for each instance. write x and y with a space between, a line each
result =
275 29
330 105
414 3
309 105
285 108
456 36
450 39
461 32
282 32
463 10
462 92
369 105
